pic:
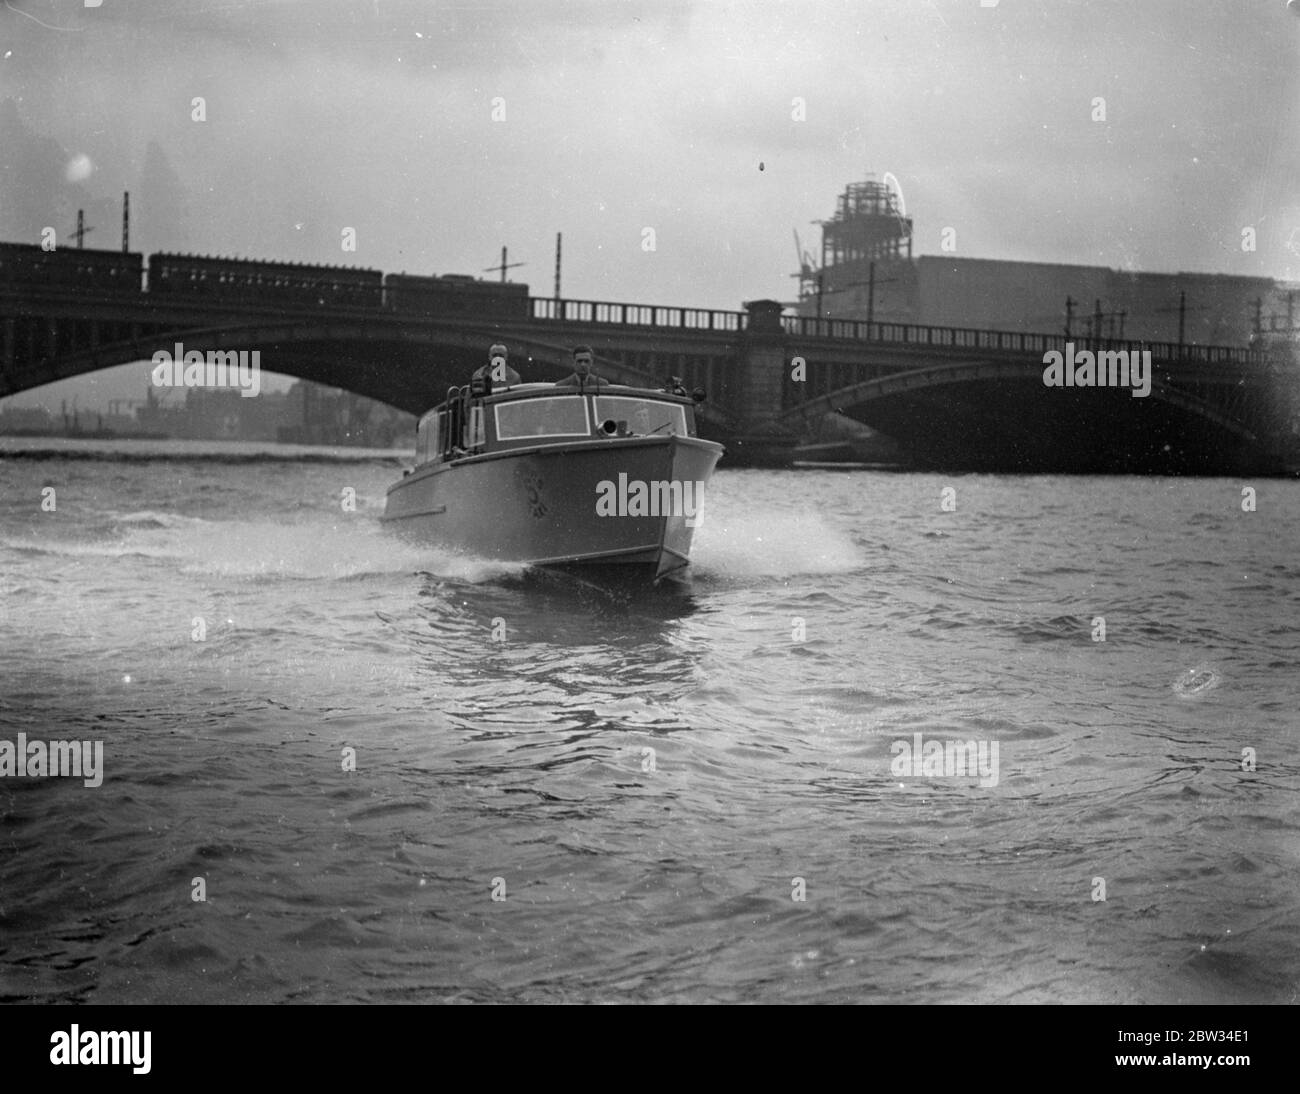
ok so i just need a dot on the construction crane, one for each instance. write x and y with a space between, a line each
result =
812 279
807 268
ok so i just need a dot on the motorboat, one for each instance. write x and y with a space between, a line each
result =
596 477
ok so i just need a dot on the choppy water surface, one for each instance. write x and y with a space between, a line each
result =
644 779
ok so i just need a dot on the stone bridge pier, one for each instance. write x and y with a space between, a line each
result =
760 438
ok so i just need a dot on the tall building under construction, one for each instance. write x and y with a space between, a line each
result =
869 231
867 272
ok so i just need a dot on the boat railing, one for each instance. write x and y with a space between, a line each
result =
450 435
460 430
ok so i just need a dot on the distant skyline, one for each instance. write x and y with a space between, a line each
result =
442 132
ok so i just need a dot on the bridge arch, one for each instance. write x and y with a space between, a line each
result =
421 361
901 383
968 412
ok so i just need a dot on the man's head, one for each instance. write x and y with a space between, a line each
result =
497 363
583 359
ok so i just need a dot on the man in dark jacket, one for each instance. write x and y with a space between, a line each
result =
583 377
496 375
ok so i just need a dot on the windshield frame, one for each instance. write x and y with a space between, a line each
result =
680 424
532 399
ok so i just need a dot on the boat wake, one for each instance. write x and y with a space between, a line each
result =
771 543
743 545
302 549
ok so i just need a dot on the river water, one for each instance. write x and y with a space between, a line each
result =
394 774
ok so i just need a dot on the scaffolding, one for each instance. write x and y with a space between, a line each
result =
868 226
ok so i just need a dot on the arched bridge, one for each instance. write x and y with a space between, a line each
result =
979 402
952 398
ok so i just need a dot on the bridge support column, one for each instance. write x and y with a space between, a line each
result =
1280 421
760 440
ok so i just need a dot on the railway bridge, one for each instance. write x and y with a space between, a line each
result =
952 398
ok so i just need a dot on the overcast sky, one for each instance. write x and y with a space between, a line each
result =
378 115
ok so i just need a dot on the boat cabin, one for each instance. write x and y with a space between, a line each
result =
530 415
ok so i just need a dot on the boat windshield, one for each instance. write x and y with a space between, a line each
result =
558 416
643 416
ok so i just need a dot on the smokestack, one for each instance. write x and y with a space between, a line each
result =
126 221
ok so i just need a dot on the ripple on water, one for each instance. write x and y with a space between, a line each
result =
1196 681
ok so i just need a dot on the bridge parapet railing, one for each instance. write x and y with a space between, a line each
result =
1007 341
637 315
657 316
